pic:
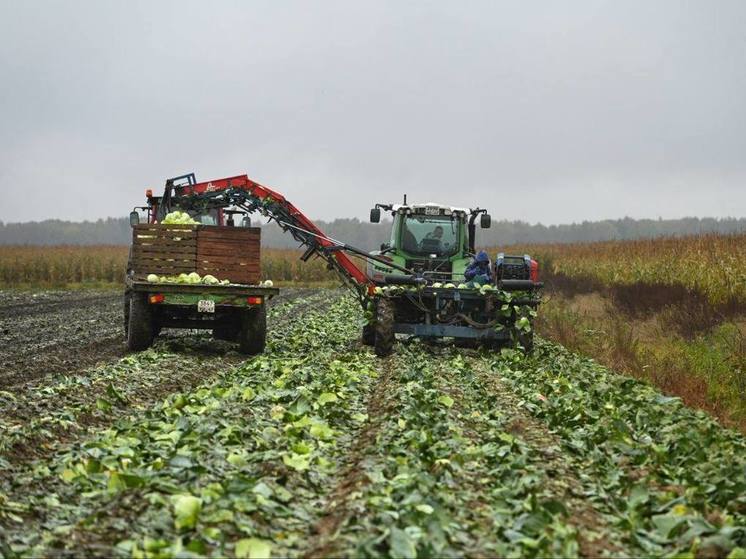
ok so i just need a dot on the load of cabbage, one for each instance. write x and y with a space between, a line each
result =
194 278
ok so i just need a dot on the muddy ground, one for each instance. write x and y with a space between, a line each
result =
47 332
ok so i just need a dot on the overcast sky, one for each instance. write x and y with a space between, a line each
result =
542 111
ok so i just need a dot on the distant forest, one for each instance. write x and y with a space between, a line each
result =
116 231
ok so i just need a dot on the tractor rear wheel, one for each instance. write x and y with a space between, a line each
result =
384 328
369 335
253 336
140 331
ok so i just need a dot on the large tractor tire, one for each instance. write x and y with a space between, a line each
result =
253 335
369 335
384 328
140 330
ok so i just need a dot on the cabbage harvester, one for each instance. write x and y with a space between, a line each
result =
405 287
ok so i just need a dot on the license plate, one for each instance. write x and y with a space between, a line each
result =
206 306
432 211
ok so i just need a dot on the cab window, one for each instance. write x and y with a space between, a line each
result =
425 235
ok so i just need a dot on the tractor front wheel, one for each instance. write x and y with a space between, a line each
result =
253 335
140 331
384 328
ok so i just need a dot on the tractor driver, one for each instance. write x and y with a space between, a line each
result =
436 233
479 271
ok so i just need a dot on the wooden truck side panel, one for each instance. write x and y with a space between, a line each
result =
231 253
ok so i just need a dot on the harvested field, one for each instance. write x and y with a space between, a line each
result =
318 448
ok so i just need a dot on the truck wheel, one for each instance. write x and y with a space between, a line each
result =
253 335
369 335
384 328
140 330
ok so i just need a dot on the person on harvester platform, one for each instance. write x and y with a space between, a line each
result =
479 271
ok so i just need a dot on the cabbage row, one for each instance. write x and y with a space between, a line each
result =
669 478
444 477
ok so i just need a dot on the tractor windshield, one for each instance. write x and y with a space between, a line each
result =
425 235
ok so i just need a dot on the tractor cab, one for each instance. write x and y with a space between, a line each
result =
433 240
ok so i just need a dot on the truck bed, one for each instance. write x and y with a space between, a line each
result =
188 294
198 288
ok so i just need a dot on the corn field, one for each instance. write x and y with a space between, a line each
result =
714 265
64 265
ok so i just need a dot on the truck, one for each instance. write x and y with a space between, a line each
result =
413 285
234 309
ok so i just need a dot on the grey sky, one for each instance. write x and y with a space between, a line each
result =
542 111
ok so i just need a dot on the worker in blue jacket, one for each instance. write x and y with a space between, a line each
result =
479 271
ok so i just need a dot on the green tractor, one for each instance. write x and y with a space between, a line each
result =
421 289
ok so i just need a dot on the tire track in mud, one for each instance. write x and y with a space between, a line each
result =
338 505
57 332
188 361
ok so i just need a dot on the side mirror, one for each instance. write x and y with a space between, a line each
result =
134 218
485 221
246 221
375 215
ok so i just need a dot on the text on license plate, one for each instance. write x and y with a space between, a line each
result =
206 306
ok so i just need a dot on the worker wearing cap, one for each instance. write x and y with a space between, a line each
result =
479 271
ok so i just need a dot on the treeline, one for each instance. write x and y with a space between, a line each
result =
109 231
116 231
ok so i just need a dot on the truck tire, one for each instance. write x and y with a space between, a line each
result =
384 328
140 331
253 335
369 335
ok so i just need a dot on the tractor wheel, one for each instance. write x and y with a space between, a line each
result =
384 328
253 335
369 335
140 331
